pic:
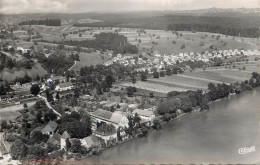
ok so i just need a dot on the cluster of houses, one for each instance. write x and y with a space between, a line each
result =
20 50
172 59
98 118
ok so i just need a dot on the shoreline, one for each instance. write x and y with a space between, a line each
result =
165 122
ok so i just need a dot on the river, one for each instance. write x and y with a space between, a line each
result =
200 137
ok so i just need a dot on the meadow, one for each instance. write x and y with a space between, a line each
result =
88 59
161 41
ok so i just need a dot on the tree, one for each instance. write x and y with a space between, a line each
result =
109 80
57 96
49 95
76 129
151 94
68 144
76 92
156 74
25 106
133 79
182 46
75 146
130 91
37 137
3 124
143 76
162 73
168 72
35 89
119 137
157 123
37 78
18 150
136 119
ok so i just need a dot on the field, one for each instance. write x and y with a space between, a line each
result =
88 59
153 40
197 80
10 75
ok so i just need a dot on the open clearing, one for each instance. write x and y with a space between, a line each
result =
88 59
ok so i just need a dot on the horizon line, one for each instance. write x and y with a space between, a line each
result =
127 11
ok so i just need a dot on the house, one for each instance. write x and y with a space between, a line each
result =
145 115
21 87
50 128
56 79
65 135
132 106
85 97
101 116
90 141
54 140
64 86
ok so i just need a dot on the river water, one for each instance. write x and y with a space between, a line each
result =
200 137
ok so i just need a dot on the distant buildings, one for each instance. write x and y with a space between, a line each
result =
64 86
21 87
56 79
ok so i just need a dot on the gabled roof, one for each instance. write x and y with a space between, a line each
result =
65 135
144 112
102 114
88 140
116 117
112 117
50 127
56 136
67 84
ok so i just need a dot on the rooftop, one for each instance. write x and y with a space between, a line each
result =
144 112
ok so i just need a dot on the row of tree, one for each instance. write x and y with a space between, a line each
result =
47 22
232 31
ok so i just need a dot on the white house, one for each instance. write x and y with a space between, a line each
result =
102 116
64 86
63 138
145 114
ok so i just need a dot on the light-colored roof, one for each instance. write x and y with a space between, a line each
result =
116 117
50 127
65 135
112 117
67 84
88 140
144 112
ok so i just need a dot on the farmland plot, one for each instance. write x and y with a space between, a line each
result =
183 82
213 75
154 87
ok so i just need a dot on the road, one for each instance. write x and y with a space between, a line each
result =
49 106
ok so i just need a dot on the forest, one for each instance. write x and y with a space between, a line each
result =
232 31
107 41
47 22
243 25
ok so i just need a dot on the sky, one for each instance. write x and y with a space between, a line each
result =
81 6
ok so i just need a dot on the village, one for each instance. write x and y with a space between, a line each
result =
62 99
